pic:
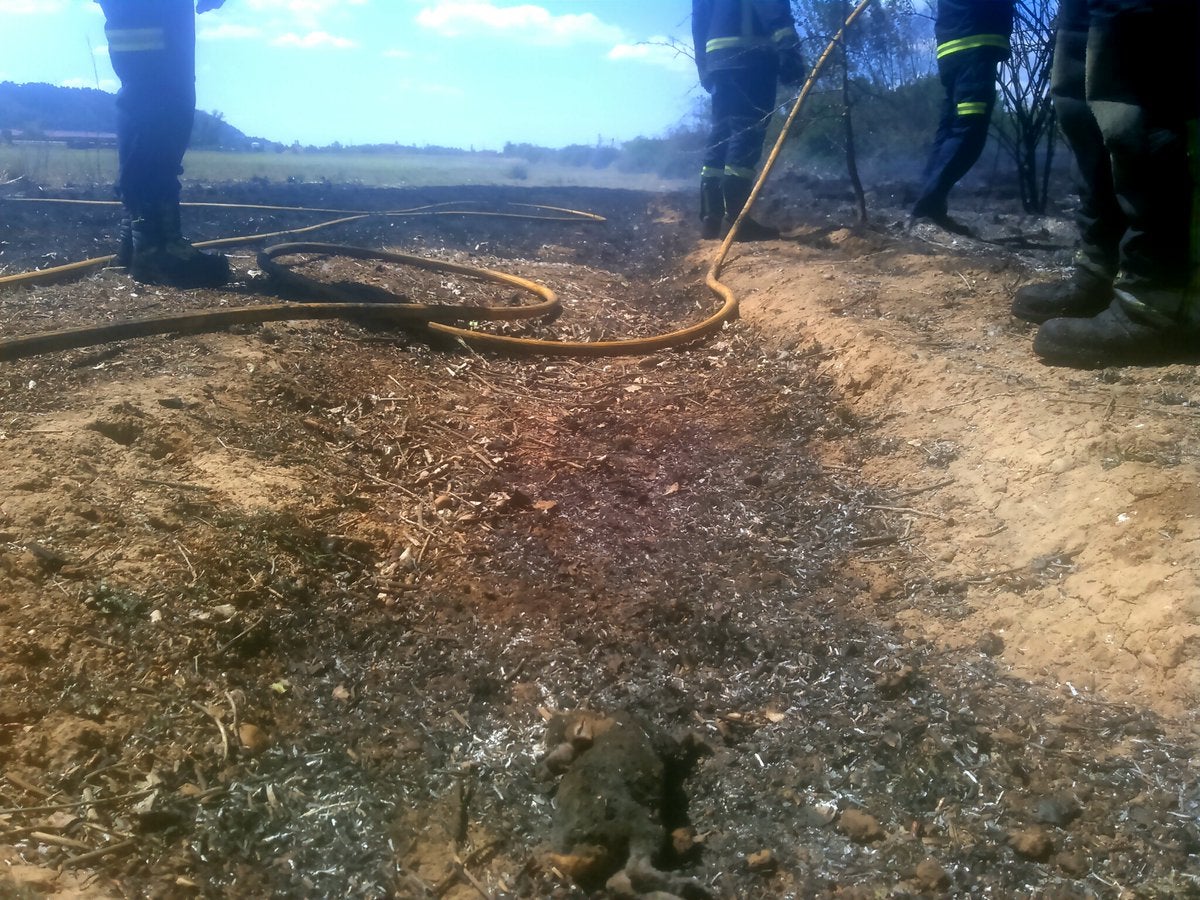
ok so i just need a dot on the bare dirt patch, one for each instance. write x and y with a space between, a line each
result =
1058 509
296 610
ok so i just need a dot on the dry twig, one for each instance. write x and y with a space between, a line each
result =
85 858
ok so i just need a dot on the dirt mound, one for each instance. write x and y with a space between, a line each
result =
1054 509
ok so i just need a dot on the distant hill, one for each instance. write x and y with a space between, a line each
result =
46 108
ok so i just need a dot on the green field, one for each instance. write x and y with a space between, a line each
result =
55 166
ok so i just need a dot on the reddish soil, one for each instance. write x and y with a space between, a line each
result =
296 610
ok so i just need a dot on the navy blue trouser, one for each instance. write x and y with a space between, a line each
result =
1124 87
743 100
152 45
1140 63
969 79
1101 221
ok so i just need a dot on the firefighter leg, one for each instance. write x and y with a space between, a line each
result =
969 77
751 101
1101 222
1140 57
736 186
161 254
152 48
725 112
712 201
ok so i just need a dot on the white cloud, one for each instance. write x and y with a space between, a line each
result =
305 13
532 24
301 7
30 7
657 51
227 31
298 15
313 40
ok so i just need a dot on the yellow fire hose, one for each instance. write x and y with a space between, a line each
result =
436 318
72 271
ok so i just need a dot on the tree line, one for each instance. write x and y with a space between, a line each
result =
876 105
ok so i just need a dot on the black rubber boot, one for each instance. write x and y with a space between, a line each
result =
160 255
1125 333
712 208
737 191
1081 296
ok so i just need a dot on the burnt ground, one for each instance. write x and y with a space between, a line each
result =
289 610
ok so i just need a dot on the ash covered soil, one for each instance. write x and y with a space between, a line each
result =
321 609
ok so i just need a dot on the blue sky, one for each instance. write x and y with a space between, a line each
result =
453 72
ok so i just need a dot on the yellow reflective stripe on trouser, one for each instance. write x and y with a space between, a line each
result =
972 108
711 172
739 172
783 34
136 40
999 41
732 43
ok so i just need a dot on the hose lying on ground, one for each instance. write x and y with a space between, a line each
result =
436 318
75 270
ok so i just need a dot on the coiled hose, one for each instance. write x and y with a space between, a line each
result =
437 318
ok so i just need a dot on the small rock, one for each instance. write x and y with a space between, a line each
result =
683 841
1072 862
1033 843
817 816
518 499
931 876
621 885
1059 465
860 827
253 739
1006 737
762 862
560 758
885 587
157 820
891 684
1060 810
990 644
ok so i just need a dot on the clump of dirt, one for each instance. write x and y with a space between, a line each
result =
287 609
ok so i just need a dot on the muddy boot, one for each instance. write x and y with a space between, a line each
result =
1081 296
712 207
737 191
1128 332
162 256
